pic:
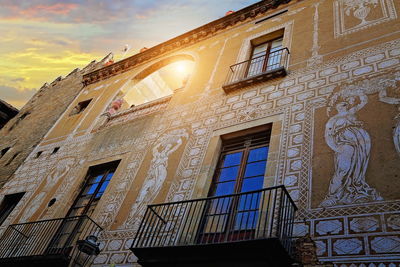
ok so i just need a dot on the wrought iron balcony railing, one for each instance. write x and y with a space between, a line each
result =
257 69
261 214
55 239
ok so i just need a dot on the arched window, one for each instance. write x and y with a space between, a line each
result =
156 81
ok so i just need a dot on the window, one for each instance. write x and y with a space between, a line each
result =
157 84
97 180
38 154
12 158
20 118
265 57
240 169
80 107
4 151
8 204
23 116
55 150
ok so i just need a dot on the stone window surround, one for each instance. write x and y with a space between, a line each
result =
247 47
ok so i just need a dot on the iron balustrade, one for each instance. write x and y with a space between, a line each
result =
54 237
258 66
260 214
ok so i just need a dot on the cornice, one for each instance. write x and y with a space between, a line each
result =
183 40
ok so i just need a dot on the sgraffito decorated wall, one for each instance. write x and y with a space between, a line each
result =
334 145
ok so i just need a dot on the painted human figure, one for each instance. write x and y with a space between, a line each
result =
383 96
396 133
345 135
157 172
51 180
158 169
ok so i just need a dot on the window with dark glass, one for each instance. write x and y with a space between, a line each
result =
4 151
240 169
265 57
8 205
96 182
12 158
80 107
55 150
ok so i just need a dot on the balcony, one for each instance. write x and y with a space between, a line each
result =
247 229
56 242
258 69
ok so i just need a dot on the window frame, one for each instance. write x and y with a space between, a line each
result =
8 204
242 167
105 169
267 54
229 225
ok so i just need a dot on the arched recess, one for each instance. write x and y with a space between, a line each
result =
162 63
158 80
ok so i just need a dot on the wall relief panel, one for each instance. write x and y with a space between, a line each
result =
354 15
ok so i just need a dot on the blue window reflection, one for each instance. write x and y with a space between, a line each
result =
251 184
258 154
228 174
246 220
255 169
97 179
108 178
249 201
232 159
225 188
92 189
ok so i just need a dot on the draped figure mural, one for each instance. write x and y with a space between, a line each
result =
391 83
62 168
396 133
157 173
346 136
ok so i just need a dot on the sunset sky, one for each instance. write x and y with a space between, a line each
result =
43 39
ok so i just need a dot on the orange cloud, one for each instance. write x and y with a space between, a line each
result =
38 12
59 8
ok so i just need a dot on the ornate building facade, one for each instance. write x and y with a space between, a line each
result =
307 91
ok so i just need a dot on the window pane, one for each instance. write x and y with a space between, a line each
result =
102 189
246 220
76 212
249 201
256 66
108 178
228 174
97 179
251 184
259 50
232 159
104 186
90 189
258 154
276 44
220 205
255 169
225 188
215 223
83 201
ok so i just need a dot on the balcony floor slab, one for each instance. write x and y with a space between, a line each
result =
261 252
